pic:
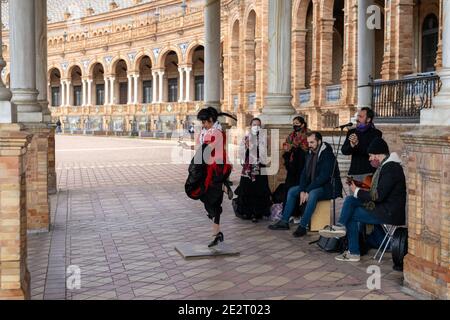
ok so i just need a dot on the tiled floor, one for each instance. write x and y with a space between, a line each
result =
120 210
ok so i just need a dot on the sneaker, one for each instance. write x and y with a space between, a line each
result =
333 232
294 220
279 225
300 232
348 257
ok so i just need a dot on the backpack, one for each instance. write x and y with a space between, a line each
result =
276 211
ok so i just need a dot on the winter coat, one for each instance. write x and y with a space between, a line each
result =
391 192
360 158
324 169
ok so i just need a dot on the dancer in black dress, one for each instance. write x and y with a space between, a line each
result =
209 170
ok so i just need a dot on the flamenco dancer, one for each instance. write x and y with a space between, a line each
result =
209 170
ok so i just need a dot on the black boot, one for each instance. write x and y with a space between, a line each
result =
218 238
300 232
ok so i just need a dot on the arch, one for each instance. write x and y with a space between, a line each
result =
191 50
72 67
235 65
140 56
300 13
51 70
144 66
116 60
92 65
165 51
250 56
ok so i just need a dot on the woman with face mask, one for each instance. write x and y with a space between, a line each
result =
295 149
253 200
209 169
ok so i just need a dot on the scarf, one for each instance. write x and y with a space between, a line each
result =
364 127
296 140
251 167
370 205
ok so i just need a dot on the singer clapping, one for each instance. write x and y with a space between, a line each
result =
357 142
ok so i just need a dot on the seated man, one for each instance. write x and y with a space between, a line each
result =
316 184
384 203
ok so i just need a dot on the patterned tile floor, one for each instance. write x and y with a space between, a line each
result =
121 209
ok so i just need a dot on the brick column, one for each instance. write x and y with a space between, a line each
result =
399 43
51 181
349 68
427 264
298 67
14 275
38 206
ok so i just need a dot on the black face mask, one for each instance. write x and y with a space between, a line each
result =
297 128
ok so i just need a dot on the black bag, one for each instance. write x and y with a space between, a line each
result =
279 194
399 247
331 244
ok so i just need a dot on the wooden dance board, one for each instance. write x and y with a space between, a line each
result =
192 251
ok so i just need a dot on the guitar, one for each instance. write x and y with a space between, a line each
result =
365 184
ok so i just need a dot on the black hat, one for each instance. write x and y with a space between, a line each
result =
378 146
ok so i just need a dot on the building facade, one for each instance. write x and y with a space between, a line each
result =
148 66
141 69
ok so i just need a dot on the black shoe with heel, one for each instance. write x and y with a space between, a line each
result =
218 238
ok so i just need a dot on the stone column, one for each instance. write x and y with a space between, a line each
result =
7 113
62 91
161 85
41 57
188 84
129 89
83 83
106 91
113 91
154 86
212 53
278 108
69 93
440 114
366 55
181 72
135 96
23 60
89 90
14 275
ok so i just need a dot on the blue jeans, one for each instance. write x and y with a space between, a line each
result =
315 196
352 214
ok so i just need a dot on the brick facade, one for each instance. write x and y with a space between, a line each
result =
14 275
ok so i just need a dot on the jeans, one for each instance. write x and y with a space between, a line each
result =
352 214
292 200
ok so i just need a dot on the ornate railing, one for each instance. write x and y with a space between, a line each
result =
402 100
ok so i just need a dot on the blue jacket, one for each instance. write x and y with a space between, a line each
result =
324 169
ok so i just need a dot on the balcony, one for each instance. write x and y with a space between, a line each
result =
402 100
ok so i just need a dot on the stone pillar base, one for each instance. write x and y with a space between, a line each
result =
38 205
14 276
427 264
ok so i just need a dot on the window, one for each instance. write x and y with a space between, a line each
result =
123 92
100 94
199 88
56 97
77 95
173 90
147 94
430 39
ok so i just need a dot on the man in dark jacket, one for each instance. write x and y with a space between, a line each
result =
316 184
357 142
384 203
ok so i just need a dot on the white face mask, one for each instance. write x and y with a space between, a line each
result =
255 129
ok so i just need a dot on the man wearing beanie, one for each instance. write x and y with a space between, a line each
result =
357 142
384 203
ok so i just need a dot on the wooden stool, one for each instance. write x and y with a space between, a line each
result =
321 216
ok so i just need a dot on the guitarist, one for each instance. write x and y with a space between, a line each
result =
357 142
383 203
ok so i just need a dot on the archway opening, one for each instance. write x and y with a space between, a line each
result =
121 83
430 39
55 87
98 78
77 91
145 91
338 41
